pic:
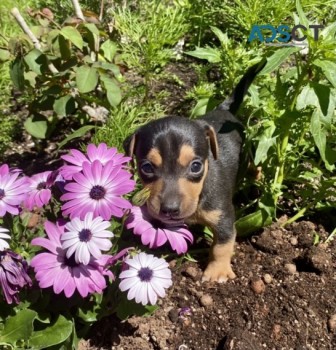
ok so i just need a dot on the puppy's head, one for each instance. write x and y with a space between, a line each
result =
172 160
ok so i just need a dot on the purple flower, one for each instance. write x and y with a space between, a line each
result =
4 169
155 234
4 235
13 191
53 268
146 278
101 152
86 238
13 275
39 192
98 189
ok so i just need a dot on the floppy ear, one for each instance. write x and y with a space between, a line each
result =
129 145
211 136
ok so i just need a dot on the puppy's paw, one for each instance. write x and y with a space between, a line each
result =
217 272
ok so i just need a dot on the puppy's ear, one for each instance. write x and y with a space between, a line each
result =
129 145
211 136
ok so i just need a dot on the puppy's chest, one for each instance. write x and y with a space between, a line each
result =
205 217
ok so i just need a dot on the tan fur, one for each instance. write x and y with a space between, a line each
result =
205 217
186 155
219 268
153 202
190 192
154 157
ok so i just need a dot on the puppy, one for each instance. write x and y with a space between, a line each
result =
190 169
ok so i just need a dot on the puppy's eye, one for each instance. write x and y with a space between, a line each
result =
196 167
147 168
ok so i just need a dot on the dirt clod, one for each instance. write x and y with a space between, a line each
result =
290 268
206 300
258 286
191 271
332 323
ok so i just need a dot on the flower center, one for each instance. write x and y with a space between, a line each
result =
71 262
41 186
85 235
97 192
145 274
2 193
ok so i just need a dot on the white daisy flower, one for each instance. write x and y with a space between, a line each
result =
3 235
146 278
86 238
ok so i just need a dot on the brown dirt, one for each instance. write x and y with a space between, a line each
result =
283 298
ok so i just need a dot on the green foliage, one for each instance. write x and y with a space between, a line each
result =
9 128
71 73
149 32
292 128
124 120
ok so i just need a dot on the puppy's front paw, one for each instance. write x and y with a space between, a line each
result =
217 272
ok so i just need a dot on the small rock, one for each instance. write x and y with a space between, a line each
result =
267 278
258 286
172 264
276 331
332 323
294 241
191 271
173 315
206 300
290 268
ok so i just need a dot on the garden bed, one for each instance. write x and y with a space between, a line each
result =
282 298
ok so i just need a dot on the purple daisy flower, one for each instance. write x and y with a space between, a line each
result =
4 235
4 169
98 190
146 278
39 192
155 234
86 238
13 275
101 152
13 191
54 269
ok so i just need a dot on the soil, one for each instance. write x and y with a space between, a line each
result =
282 298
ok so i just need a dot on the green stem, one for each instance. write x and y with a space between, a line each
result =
298 215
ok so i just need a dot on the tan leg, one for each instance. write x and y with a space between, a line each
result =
219 268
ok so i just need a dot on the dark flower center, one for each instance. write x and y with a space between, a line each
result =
41 186
71 262
85 235
145 274
2 193
97 192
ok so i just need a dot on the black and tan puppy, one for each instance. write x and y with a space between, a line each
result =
190 168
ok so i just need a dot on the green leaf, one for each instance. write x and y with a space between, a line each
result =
112 90
92 28
64 106
201 107
127 308
208 53
55 334
329 70
223 37
307 97
86 78
17 73
323 94
73 35
4 55
37 126
36 61
303 19
109 49
18 327
318 133
274 61
264 145
252 222
78 133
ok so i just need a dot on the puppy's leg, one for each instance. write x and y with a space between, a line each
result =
219 268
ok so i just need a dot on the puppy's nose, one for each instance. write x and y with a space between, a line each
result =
170 209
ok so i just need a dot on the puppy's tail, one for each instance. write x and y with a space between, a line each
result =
233 102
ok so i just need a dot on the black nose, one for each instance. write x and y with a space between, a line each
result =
170 209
